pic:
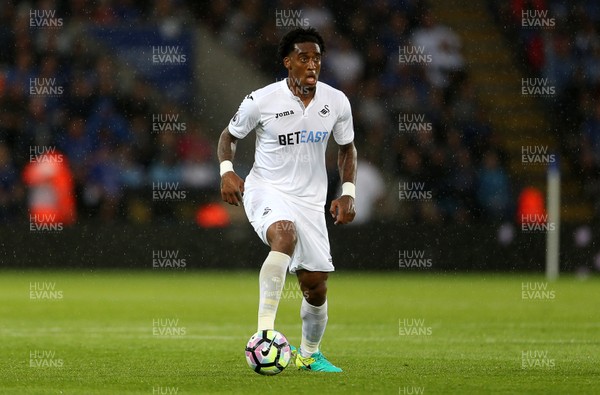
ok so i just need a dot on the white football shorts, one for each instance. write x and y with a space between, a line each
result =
264 206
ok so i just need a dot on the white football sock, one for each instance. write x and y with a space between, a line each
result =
271 281
314 321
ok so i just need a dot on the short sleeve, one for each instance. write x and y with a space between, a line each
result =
343 130
245 119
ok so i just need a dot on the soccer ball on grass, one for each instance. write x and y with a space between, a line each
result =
268 352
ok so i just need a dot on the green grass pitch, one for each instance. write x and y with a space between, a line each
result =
393 333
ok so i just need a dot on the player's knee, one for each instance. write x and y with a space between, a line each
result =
316 294
282 237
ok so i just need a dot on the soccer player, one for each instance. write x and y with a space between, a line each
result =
284 194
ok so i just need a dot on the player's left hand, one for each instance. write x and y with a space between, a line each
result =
342 209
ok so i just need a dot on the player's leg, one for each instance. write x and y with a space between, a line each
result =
313 310
314 320
312 264
281 236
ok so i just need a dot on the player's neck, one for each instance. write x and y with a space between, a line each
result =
302 92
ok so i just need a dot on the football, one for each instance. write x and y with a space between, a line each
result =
268 352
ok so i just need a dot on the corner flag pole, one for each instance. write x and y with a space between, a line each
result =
553 234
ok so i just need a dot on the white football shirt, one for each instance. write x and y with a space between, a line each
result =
291 139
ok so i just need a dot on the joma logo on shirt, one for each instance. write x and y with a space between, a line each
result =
303 136
284 114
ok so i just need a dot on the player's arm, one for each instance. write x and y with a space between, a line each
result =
232 186
342 208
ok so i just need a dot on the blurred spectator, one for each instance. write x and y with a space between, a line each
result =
370 109
396 31
103 186
75 143
371 185
241 23
80 95
142 141
38 126
12 118
493 190
444 47
318 15
11 190
51 190
106 127
345 62
462 184
198 167
218 14
165 167
531 208
587 41
591 134
559 66
131 173
19 75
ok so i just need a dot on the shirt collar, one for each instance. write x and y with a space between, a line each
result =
289 91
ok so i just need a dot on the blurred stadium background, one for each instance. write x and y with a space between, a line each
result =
110 113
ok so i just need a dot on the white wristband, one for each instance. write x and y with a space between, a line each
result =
349 189
226 166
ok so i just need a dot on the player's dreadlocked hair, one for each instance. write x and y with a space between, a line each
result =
296 36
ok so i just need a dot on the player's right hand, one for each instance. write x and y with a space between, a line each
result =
232 188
